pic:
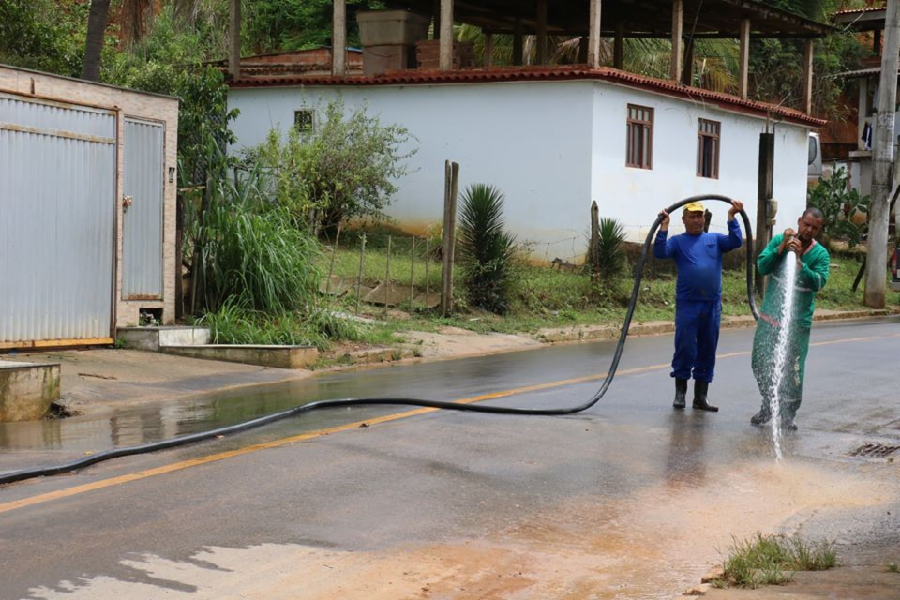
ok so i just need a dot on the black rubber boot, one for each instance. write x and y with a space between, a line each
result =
700 403
762 417
680 392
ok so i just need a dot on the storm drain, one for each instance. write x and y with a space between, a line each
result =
875 450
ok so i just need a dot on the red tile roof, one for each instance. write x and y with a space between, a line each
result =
855 11
513 74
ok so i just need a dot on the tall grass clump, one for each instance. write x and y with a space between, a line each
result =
254 255
772 559
487 252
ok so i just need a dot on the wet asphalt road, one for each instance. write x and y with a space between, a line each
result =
446 481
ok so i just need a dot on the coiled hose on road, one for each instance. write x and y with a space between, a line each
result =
478 408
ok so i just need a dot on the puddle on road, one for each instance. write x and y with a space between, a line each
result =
151 422
653 544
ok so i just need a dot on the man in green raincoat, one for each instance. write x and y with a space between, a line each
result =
811 275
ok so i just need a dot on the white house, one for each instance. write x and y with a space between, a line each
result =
555 139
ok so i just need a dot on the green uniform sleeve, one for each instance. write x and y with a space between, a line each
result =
769 258
815 271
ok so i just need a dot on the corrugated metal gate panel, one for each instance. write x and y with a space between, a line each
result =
142 243
57 215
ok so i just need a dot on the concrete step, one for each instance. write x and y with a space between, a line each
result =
27 390
282 357
151 339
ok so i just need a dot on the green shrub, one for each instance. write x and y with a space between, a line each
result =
486 250
839 205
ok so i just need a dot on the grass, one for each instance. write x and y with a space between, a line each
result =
543 298
772 560
892 568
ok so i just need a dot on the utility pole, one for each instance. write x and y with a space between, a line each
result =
879 211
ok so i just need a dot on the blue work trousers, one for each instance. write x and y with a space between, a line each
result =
696 338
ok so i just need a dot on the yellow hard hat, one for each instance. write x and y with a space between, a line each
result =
694 207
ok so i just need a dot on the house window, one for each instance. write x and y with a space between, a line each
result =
708 149
304 121
639 146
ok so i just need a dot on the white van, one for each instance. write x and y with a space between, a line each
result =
813 160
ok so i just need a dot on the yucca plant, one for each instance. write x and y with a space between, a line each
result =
610 249
486 250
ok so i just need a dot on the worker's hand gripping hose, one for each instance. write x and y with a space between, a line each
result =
479 408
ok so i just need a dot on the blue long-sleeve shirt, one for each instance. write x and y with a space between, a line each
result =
699 260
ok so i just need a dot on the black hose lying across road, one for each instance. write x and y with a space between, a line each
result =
479 408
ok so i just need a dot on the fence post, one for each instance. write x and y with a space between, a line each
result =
595 242
451 187
387 276
427 260
412 272
362 254
337 239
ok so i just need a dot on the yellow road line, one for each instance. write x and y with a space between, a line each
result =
186 464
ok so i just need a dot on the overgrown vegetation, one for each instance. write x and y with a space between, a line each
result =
772 560
486 249
843 208
345 168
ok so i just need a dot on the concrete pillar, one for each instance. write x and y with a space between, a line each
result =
807 75
542 32
594 35
488 58
677 42
446 62
745 57
339 39
619 46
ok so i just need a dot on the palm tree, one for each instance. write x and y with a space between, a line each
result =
93 45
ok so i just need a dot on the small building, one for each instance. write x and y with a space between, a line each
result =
87 209
554 138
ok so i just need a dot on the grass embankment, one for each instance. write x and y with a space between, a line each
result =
547 297
544 298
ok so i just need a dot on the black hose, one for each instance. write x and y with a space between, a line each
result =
478 408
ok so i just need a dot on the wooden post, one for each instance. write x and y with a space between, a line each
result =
687 69
488 57
541 32
619 46
595 242
807 75
594 35
436 14
339 39
412 271
451 186
337 239
387 276
362 259
517 43
677 42
765 217
745 58
446 60
234 45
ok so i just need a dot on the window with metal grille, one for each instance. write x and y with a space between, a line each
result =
639 146
708 149
304 121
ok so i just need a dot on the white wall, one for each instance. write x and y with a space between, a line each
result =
551 147
635 196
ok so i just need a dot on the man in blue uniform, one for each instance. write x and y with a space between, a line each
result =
698 296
